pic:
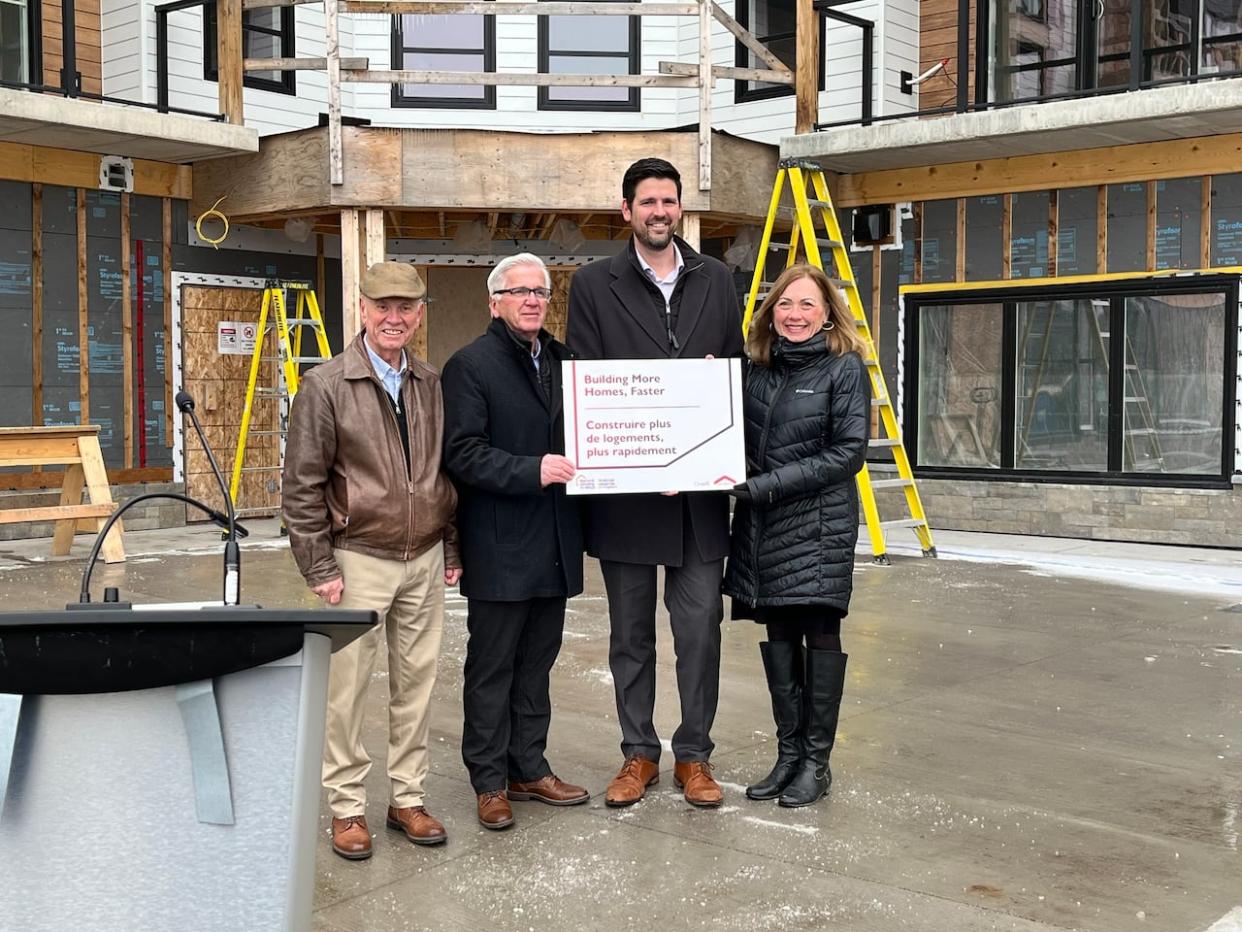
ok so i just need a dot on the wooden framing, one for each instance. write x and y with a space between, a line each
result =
918 241
229 59
1205 221
959 272
806 80
1007 236
1054 230
1151 226
1152 161
1101 229
70 169
744 36
350 324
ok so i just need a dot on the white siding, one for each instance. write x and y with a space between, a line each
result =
130 40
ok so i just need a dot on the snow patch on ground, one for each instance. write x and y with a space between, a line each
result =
1230 922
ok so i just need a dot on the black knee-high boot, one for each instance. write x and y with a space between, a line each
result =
821 702
783 664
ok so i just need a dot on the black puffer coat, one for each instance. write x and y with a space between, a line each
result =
807 421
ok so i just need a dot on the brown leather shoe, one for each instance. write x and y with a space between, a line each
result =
695 777
351 838
551 790
631 782
494 811
420 826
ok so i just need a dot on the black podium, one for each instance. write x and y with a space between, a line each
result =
160 766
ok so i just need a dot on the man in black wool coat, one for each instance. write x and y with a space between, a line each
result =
659 299
521 538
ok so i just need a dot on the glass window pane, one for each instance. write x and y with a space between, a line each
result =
1179 211
1028 235
268 18
959 385
1166 37
1113 43
1035 48
1062 385
1172 411
588 33
1077 223
262 45
432 61
441 31
588 65
1222 37
771 17
939 241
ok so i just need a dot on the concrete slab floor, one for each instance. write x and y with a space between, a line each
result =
1024 745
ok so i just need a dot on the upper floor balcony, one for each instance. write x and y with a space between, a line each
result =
1013 77
53 92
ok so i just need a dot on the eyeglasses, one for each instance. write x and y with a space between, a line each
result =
807 305
543 294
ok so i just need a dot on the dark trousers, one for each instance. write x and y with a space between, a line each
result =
509 656
692 597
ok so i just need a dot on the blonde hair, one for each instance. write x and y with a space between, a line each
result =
842 338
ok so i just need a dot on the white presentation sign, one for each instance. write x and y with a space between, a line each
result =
654 425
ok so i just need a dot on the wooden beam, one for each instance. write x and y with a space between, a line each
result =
508 8
1054 231
72 169
704 81
321 273
440 218
350 271
84 339
229 59
762 52
336 157
917 210
302 64
1151 226
691 230
36 302
1007 236
374 236
1175 158
726 71
806 74
506 79
960 269
166 268
1101 229
127 334
1205 222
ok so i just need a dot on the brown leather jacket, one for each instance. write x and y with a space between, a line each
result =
345 483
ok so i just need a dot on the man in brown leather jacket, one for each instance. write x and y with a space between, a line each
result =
370 518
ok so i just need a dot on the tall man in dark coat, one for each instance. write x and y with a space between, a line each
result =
659 299
521 538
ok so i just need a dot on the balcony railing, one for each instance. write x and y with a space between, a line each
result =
1002 53
41 49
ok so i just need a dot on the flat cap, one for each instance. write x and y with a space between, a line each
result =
392 280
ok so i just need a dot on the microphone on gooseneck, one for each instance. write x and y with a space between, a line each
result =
232 553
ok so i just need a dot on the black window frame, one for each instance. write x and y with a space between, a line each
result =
633 58
743 92
486 102
287 83
1116 293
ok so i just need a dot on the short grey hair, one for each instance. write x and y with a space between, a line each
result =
498 274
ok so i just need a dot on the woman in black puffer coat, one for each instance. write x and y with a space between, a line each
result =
807 410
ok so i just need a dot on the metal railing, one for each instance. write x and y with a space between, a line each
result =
1091 67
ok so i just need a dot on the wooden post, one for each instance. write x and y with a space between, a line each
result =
375 251
321 272
1054 231
1007 236
877 292
336 160
84 338
806 70
1205 222
229 59
166 268
350 322
1151 226
960 271
705 95
917 210
1101 229
691 229
127 335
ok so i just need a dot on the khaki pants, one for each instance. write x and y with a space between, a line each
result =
409 597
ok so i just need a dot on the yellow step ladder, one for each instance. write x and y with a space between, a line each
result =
806 239
284 370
